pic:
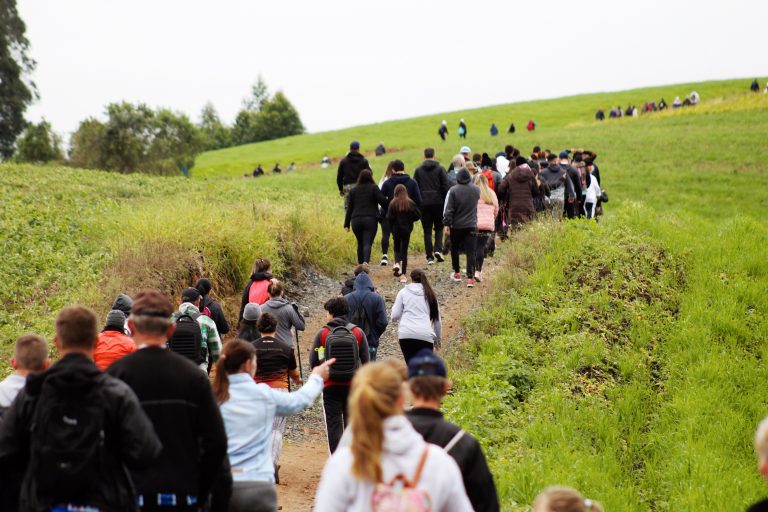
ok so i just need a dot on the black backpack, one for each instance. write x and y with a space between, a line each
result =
360 318
67 443
342 345
187 339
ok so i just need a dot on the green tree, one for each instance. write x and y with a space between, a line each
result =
127 137
278 118
244 130
215 134
85 145
16 90
259 94
176 142
39 143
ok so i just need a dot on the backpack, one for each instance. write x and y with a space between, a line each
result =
187 339
257 293
401 494
360 318
66 442
341 343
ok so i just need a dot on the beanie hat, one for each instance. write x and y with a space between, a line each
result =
123 302
252 312
115 318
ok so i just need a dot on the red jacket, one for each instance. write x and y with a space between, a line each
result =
111 346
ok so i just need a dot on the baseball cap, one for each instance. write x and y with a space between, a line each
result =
564 154
426 363
354 145
465 149
190 295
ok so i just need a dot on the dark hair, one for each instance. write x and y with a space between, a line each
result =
275 289
401 202
204 286
486 161
551 157
508 149
363 267
77 328
428 387
419 276
337 306
234 355
248 330
578 156
429 153
366 176
398 166
520 160
267 323
261 265
477 157
536 149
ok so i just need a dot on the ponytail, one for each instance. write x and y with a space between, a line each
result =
234 355
275 289
261 265
419 276
374 397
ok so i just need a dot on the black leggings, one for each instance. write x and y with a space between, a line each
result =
411 347
432 218
364 229
386 232
402 237
464 240
484 238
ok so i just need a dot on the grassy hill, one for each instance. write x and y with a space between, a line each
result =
625 358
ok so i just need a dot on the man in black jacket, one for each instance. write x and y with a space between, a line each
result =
428 384
349 170
178 399
53 424
433 185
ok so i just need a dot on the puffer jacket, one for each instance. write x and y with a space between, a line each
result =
412 312
519 187
486 214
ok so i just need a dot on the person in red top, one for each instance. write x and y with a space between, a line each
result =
336 394
112 343
256 289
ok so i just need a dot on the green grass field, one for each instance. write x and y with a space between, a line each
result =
624 358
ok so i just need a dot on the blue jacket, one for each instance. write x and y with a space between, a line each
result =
388 188
363 293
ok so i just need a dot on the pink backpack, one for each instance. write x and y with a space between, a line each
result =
258 292
401 494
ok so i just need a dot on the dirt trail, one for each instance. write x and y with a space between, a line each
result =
305 448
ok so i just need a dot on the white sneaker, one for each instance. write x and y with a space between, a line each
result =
384 261
439 257
479 277
430 261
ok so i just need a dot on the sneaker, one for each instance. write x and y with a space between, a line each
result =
470 283
396 269
439 257
430 261
456 277
479 277
403 279
384 261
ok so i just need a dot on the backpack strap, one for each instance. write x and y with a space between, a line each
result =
454 441
420 468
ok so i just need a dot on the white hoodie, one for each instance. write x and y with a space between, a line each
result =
412 312
339 491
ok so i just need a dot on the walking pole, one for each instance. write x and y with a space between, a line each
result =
298 351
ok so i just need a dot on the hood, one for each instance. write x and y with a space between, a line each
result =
399 435
415 288
261 276
73 375
188 308
363 282
463 176
355 157
398 179
522 173
277 303
430 165
554 168
337 322
123 303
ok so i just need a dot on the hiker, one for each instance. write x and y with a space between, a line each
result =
677 103
402 214
443 130
494 130
418 315
386 230
210 307
511 129
755 87
210 341
428 384
541 201
560 186
335 337
258 171
457 162
761 449
518 190
349 170
433 186
178 400
571 202
383 447
325 162
112 343
349 284
488 169
287 314
487 210
593 192
600 115
249 411
276 169
30 356
380 149
248 330
531 125
662 104
460 220
75 430
695 98
362 214
256 289
291 167
400 177
123 303
462 129
564 499
466 152
367 311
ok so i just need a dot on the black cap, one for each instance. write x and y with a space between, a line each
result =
190 295
426 363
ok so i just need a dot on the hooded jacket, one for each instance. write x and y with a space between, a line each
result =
574 178
555 177
130 440
402 450
111 345
519 187
364 201
388 188
350 168
373 303
432 181
461 203
260 279
412 312
287 317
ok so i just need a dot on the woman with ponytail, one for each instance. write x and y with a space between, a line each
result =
418 315
384 446
249 410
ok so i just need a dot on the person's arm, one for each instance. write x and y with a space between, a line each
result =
415 213
570 191
138 443
397 308
287 404
363 348
340 176
336 491
437 325
416 191
212 438
381 199
391 215
443 179
296 319
478 480
214 341
14 437
448 210
380 316
220 318
350 207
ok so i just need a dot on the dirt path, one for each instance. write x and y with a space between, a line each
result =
306 450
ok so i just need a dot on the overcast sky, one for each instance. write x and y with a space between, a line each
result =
345 63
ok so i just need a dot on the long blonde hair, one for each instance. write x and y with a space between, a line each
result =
486 194
564 499
375 394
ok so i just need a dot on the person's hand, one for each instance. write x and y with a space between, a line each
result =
324 370
298 381
447 231
346 229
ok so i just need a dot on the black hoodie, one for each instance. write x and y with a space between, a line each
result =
433 182
349 169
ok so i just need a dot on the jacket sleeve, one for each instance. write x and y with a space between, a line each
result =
220 318
448 211
287 404
479 481
297 320
340 175
14 440
443 179
336 491
139 445
350 207
416 192
212 436
455 498
397 307
380 317
386 189
380 198
569 190
438 328
415 213
314 360
365 351
214 341
391 214
244 300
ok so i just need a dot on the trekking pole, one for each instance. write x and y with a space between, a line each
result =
298 351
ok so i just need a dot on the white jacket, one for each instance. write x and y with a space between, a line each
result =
339 491
412 312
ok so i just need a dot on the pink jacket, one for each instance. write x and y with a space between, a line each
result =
486 214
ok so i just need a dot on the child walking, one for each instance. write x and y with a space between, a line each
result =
402 214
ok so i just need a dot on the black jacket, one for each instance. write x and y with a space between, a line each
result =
403 221
130 439
461 203
177 397
478 480
217 314
433 182
555 177
364 201
388 188
573 176
349 169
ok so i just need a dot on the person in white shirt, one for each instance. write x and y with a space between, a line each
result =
30 355
592 195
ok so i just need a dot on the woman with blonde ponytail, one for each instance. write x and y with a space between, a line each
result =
385 447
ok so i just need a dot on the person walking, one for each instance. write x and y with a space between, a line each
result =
210 341
494 130
249 410
402 214
400 177
432 180
462 129
76 430
519 188
593 193
383 447
572 209
256 290
349 171
460 220
418 315
362 214
30 356
443 130
211 307
367 311
386 230
560 186
289 320
487 209
248 330
177 398
112 342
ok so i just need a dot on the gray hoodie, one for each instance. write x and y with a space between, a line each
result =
287 317
412 312
461 203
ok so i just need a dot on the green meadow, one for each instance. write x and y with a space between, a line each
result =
625 357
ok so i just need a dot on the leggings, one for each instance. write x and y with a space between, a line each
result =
463 239
483 241
364 229
386 232
402 237
278 428
411 347
253 497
